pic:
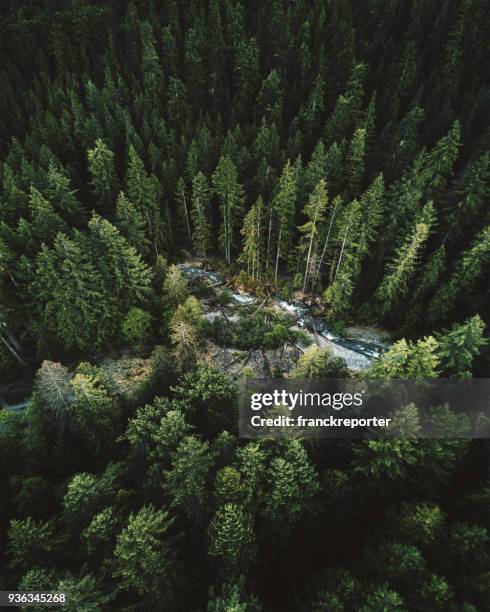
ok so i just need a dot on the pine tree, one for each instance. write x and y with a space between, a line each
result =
327 237
441 158
355 155
123 272
131 223
347 107
270 99
313 211
175 289
183 208
334 169
144 191
251 232
144 556
292 483
185 481
395 282
346 265
201 236
95 415
406 359
150 63
73 299
283 205
316 170
459 346
46 223
468 196
62 196
230 196
183 332
467 271
102 170
372 212
231 535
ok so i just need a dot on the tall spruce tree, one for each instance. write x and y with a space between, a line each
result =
201 235
283 205
230 197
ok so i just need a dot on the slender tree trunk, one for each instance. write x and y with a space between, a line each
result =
308 261
269 240
326 241
187 216
278 253
341 252
259 211
12 350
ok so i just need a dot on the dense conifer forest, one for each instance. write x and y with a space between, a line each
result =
333 151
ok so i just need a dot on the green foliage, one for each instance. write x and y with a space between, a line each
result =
406 359
319 363
102 168
201 236
144 556
230 534
186 480
136 326
293 484
30 542
338 148
230 197
460 345
175 289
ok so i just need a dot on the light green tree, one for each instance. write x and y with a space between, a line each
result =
102 169
144 555
231 535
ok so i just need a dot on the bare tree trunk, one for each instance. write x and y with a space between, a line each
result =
12 350
341 251
326 240
278 253
187 216
268 241
308 261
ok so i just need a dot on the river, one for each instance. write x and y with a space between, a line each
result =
358 346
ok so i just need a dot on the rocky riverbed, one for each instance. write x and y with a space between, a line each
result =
358 346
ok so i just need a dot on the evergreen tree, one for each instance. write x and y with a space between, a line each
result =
185 481
131 223
252 239
283 205
201 236
143 191
313 211
72 299
102 170
230 197
463 278
355 161
175 289
316 170
230 535
395 282
293 484
62 196
144 555
183 208
460 345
